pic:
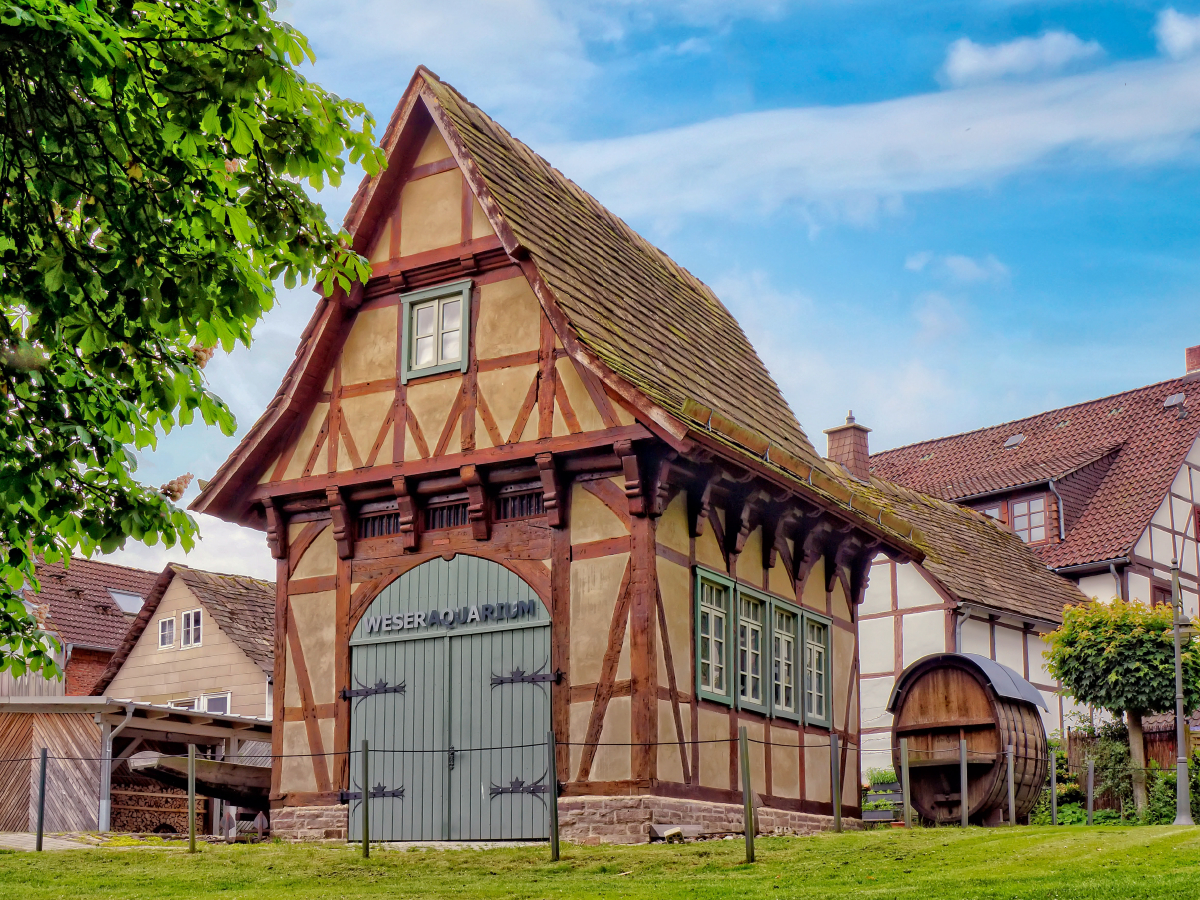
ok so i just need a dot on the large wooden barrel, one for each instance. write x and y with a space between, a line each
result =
948 697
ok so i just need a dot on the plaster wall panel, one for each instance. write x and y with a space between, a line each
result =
578 396
672 527
813 593
430 401
913 589
1038 672
291 693
780 581
976 637
364 416
313 616
1139 587
296 771
591 519
785 763
714 757
1162 515
560 427
670 766
756 732
614 763
431 213
1010 649
1142 547
675 585
509 319
581 715
749 563
708 551
839 602
381 249
1182 485
369 353
877 752
504 391
435 148
875 694
924 633
320 558
595 584
816 767
843 690
877 644
878 596
480 226
305 443
1100 587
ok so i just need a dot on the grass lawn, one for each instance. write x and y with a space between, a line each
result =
1034 863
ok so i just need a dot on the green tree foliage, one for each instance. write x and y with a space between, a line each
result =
1121 657
154 165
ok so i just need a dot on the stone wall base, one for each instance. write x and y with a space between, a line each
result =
627 820
311 823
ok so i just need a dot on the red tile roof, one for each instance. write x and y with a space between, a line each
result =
80 609
1146 441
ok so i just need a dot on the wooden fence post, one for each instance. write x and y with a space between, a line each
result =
41 807
1012 793
964 784
552 750
835 780
1091 783
1053 787
191 798
747 794
904 782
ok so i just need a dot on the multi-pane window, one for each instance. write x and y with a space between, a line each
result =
783 653
166 633
750 649
816 670
1029 519
216 703
437 332
758 652
189 634
713 624
436 324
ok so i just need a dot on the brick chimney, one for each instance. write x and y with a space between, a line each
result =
1191 358
848 447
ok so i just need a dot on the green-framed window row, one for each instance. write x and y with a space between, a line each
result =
761 653
436 330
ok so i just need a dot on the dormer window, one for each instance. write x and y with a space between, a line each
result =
436 330
1029 519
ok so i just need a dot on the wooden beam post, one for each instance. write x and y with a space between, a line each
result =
41 806
366 800
747 794
552 775
964 785
191 776
835 780
904 782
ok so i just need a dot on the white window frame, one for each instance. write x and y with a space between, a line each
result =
197 624
438 297
718 635
822 666
194 703
161 622
786 671
753 649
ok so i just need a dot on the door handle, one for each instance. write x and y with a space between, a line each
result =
450 757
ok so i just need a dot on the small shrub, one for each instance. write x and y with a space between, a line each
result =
881 776
1072 814
1107 817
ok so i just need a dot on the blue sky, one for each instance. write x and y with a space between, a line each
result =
941 215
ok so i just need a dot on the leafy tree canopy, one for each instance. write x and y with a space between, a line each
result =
154 160
1121 656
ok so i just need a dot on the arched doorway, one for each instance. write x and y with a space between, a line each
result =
450 684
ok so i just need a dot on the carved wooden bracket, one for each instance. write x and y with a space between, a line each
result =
633 478
770 538
811 537
277 536
860 571
662 486
839 555
478 513
343 528
407 508
699 502
354 297
551 490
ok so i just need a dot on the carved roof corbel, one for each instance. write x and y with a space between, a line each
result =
406 505
478 512
343 527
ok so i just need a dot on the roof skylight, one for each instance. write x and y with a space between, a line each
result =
1013 441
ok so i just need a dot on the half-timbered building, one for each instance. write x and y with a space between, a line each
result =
531 477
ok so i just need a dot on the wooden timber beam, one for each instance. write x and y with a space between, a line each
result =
407 507
478 512
343 528
633 478
277 536
552 500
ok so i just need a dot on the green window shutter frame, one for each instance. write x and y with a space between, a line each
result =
825 721
440 292
702 575
766 674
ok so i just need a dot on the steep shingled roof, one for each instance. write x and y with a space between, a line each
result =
976 559
243 608
1148 443
79 607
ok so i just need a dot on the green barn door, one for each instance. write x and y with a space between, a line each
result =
449 663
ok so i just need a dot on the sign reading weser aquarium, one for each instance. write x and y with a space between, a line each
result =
451 618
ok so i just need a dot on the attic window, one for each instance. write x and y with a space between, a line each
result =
127 600
1013 441
436 330
1174 400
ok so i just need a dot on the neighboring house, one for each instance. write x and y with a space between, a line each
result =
89 605
1106 492
530 477
979 589
201 641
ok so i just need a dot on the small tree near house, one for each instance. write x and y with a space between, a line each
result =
1121 657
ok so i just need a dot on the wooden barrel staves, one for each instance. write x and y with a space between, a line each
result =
948 697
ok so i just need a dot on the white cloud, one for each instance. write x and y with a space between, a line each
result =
916 262
939 317
970 63
1178 34
966 270
851 162
221 548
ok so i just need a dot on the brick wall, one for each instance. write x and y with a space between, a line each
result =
84 670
